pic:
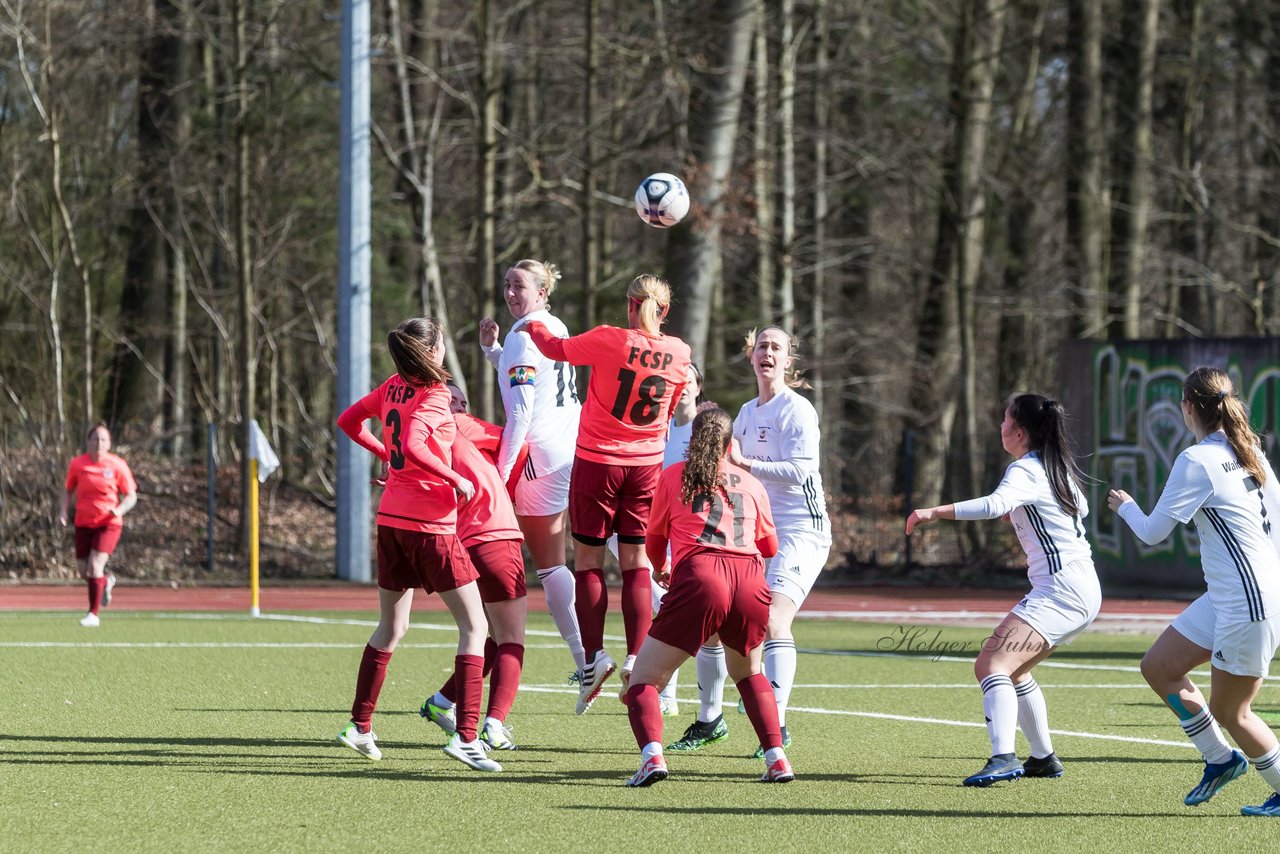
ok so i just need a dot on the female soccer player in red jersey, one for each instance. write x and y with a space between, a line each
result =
488 530
540 401
104 490
636 375
716 517
418 545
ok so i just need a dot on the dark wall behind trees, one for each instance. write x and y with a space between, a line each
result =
992 179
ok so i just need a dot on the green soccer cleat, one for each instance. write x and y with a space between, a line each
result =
700 734
496 736
441 717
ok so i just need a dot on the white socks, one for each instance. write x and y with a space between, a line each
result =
712 671
1033 717
1000 705
558 584
1268 768
650 750
780 670
1204 733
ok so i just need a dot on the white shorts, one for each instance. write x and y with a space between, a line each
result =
800 558
1062 610
545 495
1241 648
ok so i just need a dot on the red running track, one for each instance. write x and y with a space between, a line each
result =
364 597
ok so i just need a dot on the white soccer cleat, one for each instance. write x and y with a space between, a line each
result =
470 753
669 706
106 591
496 736
593 676
363 743
652 770
90 621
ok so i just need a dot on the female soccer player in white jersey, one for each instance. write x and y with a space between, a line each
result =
540 397
1225 485
775 437
1042 496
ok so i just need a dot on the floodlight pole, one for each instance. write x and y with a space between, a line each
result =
354 256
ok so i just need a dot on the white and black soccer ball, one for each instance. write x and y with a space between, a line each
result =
662 200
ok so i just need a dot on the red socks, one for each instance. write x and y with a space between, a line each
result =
449 690
637 607
373 669
469 673
646 715
96 587
592 604
762 709
506 679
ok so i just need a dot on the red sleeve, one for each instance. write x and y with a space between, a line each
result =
352 422
655 540
425 420
73 475
768 546
126 477
550 345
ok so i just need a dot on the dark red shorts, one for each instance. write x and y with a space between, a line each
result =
501 567
434 562
606 499
102 539
715 593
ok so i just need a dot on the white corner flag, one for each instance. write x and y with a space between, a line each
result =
260 450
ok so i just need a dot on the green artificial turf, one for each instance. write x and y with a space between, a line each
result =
216 732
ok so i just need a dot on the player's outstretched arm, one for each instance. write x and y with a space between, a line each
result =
926 515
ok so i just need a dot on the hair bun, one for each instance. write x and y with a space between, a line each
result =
553 272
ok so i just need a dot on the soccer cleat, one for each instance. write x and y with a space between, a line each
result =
624 676
700 734
652 770
1216 776
997 769
779 772
496 736
106 591
1270 807
593 676
1044 766
470 753
443 718
90 621
575 678
361 742
670 708
786 742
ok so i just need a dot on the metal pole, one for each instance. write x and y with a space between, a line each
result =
908 500
212 502
353 287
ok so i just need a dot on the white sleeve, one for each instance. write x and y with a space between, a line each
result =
800 436
1186 490
519 401
1271 499
1018 487
1150 529
492 354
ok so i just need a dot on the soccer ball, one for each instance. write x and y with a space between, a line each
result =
662 200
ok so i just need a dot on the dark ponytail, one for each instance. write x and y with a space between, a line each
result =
712 432
410 345
1045 421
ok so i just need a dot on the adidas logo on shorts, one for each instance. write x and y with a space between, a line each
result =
1218 656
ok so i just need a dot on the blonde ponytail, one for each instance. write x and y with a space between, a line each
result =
652 298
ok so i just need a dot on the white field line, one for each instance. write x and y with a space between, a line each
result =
915 719
908 615
442 627
967 686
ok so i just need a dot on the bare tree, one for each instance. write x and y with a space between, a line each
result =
1086 144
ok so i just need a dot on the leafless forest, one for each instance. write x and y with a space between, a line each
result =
931 195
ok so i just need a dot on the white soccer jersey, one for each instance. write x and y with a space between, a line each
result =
1236 519
781 439
553 422
677 447
1052 539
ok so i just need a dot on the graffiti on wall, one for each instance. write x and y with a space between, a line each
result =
1135 422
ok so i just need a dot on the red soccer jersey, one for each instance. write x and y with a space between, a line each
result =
488 439
635 380
708 523
98 488
488 516
417 438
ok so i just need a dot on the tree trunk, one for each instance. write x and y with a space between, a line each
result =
177 356
1086 142
590 217
762 153
787 145
247 366
1190 300
832 446
487 265
713 118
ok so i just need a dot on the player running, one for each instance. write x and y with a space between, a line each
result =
488 530
716 518
418 545
1225 486
540 400
104 490
636 375
776 438
1042 495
